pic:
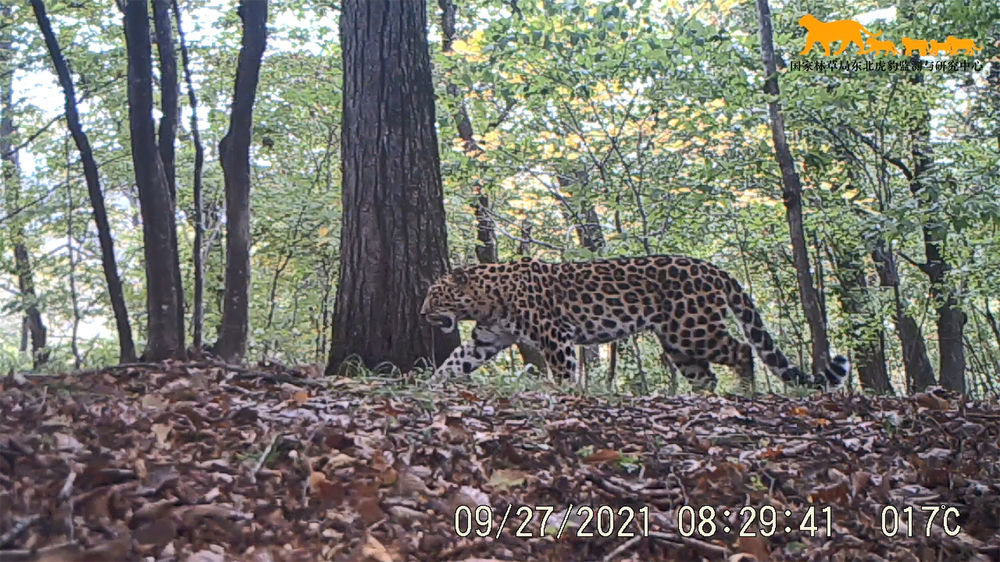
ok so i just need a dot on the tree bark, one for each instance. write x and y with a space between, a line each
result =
198 307
12 192
924 188
169 91
164 298
126 347
916 365
393 237
235 152
870 351
70 254
792 195
486 249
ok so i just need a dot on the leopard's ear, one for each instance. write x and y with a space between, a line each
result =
460 276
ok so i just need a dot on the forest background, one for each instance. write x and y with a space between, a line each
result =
567 130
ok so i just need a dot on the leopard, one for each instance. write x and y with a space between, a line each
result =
557 306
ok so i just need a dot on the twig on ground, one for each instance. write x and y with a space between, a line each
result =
622 548
18 528
263 458
707 549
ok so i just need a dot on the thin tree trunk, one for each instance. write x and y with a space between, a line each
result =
792 195
165 329
589 235
923 187
12 192
167 136
235 152
198 252
126 347
70 252
486 249
169 91
916 365
869 351
394 234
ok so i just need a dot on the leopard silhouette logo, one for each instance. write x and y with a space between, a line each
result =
828 32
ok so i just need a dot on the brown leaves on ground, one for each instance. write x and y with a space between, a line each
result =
208 463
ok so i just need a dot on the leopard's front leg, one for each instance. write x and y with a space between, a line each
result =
486 342
560 356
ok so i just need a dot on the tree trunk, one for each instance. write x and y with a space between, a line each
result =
126 348
792 195
588 234
924 188
198 307
870 350
12 192
916 365
71 254
169 91
486 249
165 329
235 152
393 236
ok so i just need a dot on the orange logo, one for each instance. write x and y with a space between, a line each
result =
850 31
827 32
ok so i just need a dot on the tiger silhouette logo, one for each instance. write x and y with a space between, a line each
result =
958 46
829 32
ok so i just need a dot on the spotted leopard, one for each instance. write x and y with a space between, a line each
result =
556 306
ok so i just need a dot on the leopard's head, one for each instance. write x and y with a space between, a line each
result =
454 297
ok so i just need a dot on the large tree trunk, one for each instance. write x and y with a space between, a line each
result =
393 237
924 188
164 298
235 151
792 194
12 192
126 348
198 218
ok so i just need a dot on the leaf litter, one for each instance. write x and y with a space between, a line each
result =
206 462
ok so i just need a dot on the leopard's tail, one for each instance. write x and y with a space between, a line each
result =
753 326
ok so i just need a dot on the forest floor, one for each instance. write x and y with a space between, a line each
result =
204 462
